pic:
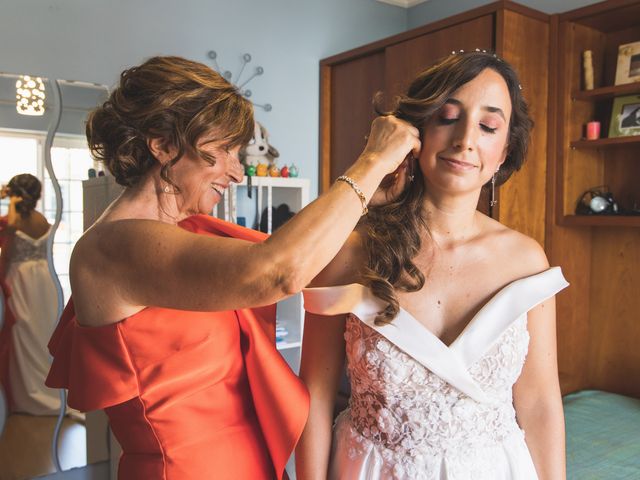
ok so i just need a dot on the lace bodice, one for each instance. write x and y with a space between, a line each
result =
413 415
420 409
24 248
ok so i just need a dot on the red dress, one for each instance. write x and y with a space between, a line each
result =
189 395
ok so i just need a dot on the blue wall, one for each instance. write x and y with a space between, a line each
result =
433 10
94 40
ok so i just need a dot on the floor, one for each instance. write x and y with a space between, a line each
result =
25 446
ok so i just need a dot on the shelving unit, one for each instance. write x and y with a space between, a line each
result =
597 326
602 220
584 164
604 93
606 142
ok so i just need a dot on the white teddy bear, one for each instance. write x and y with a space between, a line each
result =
258 150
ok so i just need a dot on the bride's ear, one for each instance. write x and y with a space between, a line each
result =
161 149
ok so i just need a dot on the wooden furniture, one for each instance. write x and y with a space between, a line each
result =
349 81
598 327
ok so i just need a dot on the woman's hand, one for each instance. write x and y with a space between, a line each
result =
394 184
390 141
14 199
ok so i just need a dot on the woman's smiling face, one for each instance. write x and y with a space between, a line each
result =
465 142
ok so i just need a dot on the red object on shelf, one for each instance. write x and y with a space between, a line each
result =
593 130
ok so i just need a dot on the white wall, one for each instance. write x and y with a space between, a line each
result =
94 40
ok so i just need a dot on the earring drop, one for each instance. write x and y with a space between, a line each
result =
493 201
166 189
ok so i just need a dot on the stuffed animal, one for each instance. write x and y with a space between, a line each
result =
258 151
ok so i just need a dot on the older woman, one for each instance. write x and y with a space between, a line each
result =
159 332
446 317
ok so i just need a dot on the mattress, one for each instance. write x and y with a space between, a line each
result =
603 436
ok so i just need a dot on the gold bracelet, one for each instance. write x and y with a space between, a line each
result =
354 185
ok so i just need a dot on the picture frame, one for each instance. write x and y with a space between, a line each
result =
625 116
628 67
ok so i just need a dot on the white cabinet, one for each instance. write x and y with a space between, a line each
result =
268 192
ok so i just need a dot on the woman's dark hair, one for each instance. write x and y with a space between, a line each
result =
27 187
393 230
171 98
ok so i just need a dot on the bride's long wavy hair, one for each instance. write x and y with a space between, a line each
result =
393 230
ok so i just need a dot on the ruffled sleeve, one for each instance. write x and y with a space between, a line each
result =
280 398
92 363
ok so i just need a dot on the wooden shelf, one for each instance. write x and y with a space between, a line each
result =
601 220
604 93
606 142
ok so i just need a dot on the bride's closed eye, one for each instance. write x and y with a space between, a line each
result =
452 120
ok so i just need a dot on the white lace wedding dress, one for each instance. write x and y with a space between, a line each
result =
34 303
422 410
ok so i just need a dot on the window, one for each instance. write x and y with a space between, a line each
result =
24 153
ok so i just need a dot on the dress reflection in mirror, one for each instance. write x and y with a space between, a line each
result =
39 434
31 307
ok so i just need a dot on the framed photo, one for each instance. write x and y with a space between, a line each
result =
625 116
628 69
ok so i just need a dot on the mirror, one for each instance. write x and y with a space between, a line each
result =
36 241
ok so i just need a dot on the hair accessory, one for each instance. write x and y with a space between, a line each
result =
354 185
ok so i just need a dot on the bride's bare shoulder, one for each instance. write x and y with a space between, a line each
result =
346 266
514 248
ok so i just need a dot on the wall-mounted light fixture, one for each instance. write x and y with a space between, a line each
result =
30 95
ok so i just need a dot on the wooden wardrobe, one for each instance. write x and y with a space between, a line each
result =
592 319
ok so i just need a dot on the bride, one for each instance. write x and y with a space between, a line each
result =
446 317
31 309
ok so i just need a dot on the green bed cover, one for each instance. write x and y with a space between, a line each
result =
603 436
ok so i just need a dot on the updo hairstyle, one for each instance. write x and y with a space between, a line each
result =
27 187
171 98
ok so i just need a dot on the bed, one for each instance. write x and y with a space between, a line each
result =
603 436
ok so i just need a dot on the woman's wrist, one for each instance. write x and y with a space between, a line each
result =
367 172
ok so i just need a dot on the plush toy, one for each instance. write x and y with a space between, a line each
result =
258 151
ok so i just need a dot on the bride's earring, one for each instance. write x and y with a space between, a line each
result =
493 201
166 189
410 167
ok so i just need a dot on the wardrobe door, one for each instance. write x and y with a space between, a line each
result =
352 87
404 60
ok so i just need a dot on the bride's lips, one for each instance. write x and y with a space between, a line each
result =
457 164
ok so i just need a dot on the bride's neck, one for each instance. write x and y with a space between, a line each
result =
451 219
